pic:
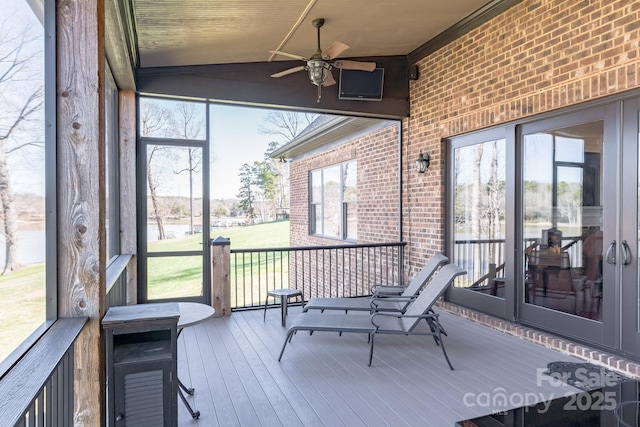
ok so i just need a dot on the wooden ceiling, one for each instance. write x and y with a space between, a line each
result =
219 49
196 32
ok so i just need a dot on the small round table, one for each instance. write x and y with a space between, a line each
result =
284 295
191 313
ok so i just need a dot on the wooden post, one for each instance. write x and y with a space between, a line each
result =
220 276
81 194
127 158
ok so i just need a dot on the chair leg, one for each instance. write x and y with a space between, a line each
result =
286 340
264 316
442 331
370 347
432 327
437 322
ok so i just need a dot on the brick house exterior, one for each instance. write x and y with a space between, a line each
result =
375 145
376 152
536 57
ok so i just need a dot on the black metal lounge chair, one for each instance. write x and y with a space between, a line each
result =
383 298
385 323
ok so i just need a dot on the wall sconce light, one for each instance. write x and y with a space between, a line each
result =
422 162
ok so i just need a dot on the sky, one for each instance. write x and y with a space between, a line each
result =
235 140
26 165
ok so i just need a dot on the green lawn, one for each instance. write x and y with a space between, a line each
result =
174 277
22 299
22 293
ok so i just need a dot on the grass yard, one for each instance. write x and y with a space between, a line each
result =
22 302
174 277
22 293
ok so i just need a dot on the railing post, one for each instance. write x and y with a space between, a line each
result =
220 276
492 271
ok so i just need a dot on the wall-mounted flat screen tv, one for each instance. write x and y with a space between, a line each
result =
361 85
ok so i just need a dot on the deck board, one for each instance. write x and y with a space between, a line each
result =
324 380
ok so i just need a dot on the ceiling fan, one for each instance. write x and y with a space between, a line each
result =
319 65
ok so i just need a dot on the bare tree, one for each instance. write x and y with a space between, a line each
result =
189 127
20 102
476 206
155 121
287 124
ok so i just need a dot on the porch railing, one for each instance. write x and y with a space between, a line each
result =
477 256
325 271
117 281
38 390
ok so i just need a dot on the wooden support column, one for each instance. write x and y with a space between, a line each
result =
81 194
220 277
127 158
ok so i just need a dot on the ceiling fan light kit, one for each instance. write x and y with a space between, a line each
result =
318 71
319 65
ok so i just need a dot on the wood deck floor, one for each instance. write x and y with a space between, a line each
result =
324 380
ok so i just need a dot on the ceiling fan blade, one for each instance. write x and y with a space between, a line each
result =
329 80
287 72
290 55
355 65
334 50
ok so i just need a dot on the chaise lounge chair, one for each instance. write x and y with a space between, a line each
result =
385 323
384 300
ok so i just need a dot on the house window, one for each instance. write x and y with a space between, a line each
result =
333 201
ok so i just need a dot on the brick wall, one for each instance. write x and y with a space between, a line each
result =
342 273
377 156
535 57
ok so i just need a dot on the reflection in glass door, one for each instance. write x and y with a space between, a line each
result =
478 220
562 219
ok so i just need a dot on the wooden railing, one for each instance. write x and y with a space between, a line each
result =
117 281
38 390
328 271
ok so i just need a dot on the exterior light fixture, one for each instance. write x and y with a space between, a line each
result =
422 162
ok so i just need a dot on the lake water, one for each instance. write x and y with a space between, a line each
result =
31 243
31 247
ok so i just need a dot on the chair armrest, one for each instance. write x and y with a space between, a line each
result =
376 299
387 290
394 298
428 315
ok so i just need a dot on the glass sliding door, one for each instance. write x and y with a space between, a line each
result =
478 220
174 223
626 259
544 216
562 219
568 212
